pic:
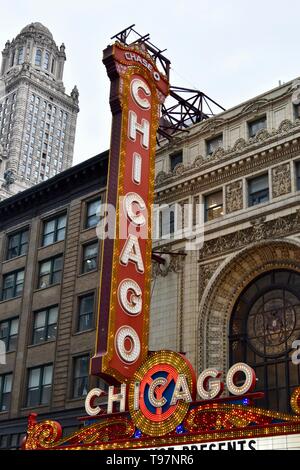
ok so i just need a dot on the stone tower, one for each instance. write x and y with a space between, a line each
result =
37 117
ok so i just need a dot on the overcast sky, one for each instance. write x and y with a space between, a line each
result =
232 50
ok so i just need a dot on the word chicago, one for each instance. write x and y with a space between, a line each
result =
209 386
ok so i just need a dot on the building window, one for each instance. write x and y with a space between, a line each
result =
213 144
50 272
90 255
12 59
81 376
255 126
5 391
45 325
93 213
54 230
176 159
13 284
38 58
17 244
258 190
46 60
298 175
86 312
264 324
39 385
167 221
53 66
15 441
9 333
214 206
20 56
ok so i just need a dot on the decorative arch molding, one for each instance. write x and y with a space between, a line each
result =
226 285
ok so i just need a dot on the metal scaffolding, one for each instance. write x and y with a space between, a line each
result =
185 106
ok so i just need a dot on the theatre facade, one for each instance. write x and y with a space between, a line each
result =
235 296
224 292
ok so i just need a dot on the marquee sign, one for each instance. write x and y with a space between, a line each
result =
161 391
137 91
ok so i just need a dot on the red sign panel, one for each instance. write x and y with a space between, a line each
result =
137 91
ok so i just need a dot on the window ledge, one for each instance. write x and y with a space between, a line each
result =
6 261
39 407
48 287
88 272
49 341
261 204
11 298
86 229
77 333
76 400
12 351
43 247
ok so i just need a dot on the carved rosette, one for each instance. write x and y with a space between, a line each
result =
281 180
234 196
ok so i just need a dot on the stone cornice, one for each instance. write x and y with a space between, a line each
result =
222 166
216 124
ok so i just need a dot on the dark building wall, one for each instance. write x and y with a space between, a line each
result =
67 193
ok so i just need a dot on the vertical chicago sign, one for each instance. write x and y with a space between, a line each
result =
137 91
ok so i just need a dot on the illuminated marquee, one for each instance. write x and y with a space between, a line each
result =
161 391
137 91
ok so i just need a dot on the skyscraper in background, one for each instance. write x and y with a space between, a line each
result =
37 117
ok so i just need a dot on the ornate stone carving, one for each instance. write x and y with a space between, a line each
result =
234 196
75 94
205 273
260 230
218 153
9 178
255 106
174 264
281 180
198 162
161 177
241 146
179 169
285 126
261 136
212 124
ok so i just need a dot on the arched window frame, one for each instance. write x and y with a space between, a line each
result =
46 60
38 58
20 59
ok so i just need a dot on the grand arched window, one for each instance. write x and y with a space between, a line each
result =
264 324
